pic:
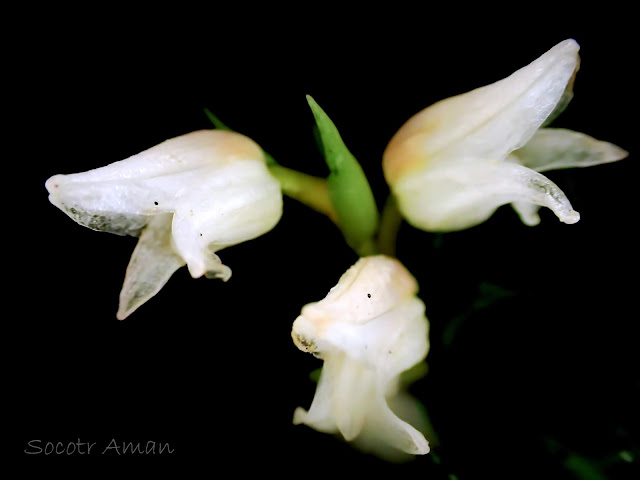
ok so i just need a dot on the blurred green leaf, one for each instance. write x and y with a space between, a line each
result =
592 467
349 189
414 374
315 375
452 328
583 468
487 294
438 240
626 456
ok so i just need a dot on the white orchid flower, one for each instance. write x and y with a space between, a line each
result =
368 330
454 163
186 198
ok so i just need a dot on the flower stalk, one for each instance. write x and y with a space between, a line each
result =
307 189
390 223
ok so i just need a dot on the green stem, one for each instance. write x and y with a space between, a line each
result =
307 189
390 222
367 248
314 193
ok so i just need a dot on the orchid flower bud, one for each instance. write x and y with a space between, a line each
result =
186 198
454 163
369 329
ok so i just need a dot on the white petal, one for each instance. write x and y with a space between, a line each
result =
565 99
375 439
186 152
484 124
528 212
396 432
340 404
239 202
406 338
121 197
555 148
389 343
354 387
104 207
320 414
466 194
371 287
151 265
350 401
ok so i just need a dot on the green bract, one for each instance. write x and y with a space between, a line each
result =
349 189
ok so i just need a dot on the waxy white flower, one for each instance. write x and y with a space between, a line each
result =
454 163
186 198
368 330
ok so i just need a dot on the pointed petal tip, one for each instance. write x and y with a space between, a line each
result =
610 153
567 50
421 446
618 153
570 44
126 307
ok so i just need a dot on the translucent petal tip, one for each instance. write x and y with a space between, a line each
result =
569 44
570 218
123 313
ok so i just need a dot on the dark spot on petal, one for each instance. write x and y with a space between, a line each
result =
369 295
155 203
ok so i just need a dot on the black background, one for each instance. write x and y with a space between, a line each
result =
527 385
